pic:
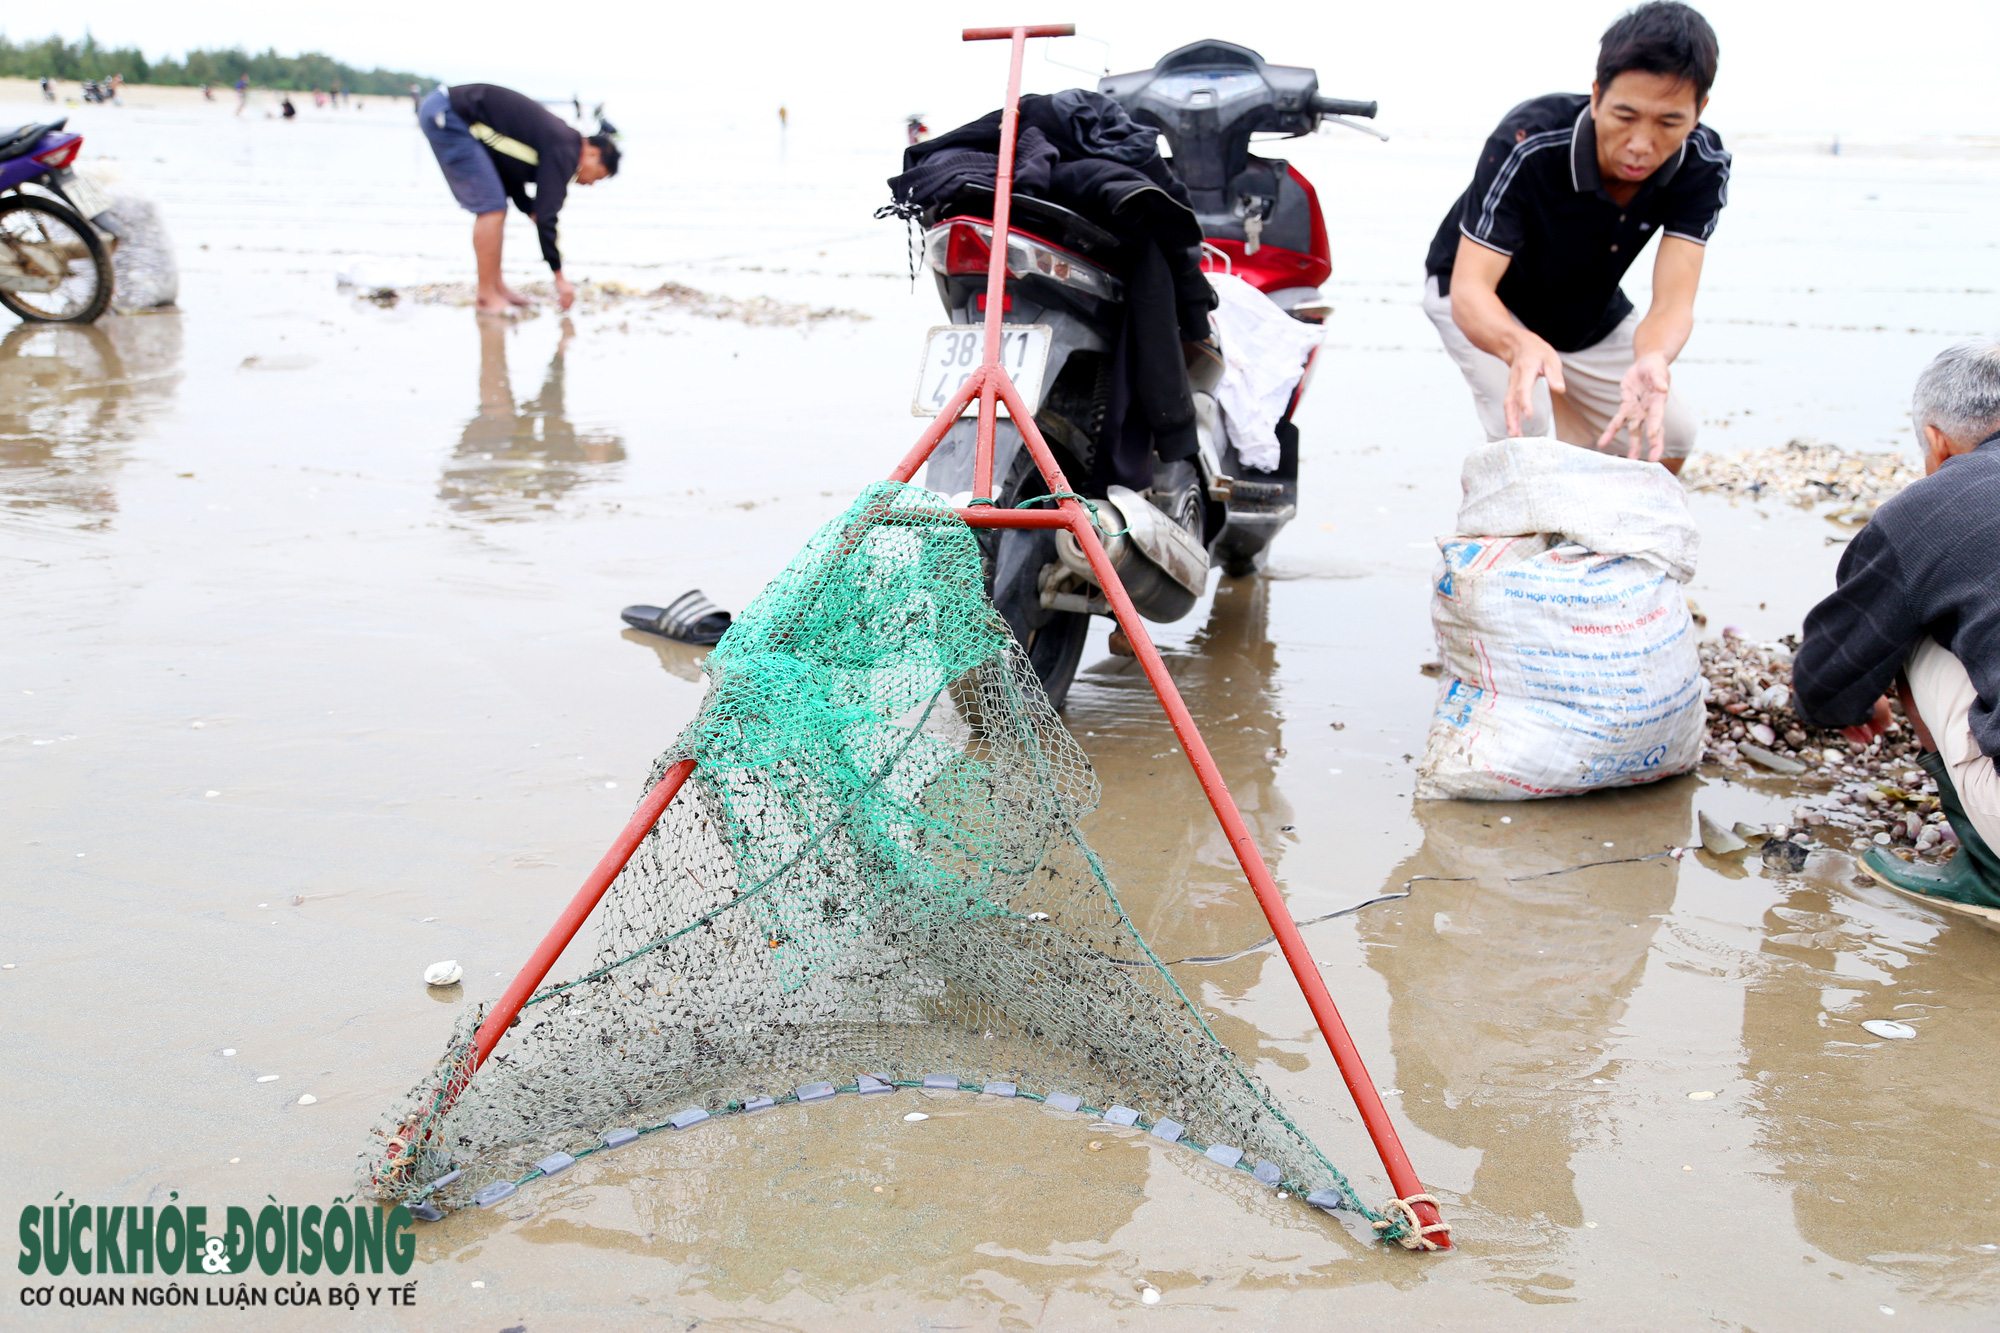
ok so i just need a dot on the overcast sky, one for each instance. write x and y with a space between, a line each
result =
1844 66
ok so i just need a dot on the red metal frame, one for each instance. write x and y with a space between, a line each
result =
991 384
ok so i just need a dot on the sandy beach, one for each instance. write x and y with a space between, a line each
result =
314 676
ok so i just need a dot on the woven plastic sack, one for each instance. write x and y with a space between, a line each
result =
1566 668
145 273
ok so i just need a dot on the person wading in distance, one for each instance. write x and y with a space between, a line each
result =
1522 277
492 143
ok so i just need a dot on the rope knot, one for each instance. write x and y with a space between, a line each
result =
1403 1213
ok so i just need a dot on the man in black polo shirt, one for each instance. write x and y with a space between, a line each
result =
1523 274
492 144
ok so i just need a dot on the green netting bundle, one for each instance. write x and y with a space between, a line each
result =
874 873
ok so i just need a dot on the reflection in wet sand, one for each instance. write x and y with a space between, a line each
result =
1194 901
1190 899
1508 984
70 395
861 1199
514 460
1887 1144
678 659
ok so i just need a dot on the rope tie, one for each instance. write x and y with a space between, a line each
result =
1403 1213
1055 497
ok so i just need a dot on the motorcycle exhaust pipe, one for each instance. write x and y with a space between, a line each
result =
1162 565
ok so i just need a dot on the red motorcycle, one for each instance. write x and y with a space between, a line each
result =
1066 302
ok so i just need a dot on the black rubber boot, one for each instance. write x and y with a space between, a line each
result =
1972 876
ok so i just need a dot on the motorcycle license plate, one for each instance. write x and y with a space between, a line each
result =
89 198
953 351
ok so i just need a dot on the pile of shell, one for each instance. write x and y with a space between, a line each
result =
1805 474
605 297
1850 795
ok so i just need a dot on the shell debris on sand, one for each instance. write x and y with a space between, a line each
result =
1717 840
1848 796
1805 474
603 297
447 973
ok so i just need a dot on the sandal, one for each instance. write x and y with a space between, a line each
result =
689 618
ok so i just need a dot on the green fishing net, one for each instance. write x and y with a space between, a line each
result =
874 878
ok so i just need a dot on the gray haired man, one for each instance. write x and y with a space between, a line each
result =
1918 607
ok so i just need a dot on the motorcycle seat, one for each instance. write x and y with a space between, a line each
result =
22 140
1039 217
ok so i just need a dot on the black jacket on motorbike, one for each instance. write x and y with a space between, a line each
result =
1081 150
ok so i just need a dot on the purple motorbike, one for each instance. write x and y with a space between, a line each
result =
55 266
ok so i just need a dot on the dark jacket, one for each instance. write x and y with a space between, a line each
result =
1081 150
529 146
1927 563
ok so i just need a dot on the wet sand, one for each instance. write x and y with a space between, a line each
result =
315 676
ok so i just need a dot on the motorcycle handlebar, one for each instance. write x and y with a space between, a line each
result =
1007 34
1341 106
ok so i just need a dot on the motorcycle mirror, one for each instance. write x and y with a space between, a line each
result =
1049 46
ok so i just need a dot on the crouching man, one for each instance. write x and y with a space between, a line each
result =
1522 278
492 143
1919 598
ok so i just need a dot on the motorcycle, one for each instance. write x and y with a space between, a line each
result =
55 260
1065 296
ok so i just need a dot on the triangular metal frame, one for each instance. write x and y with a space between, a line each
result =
1412 1208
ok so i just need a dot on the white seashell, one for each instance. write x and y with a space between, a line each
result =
447 973
1889 1027
1150 1295
914 1116
307 1099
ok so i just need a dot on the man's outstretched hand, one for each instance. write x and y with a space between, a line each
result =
1642 408
565 292
1876 725
1532 360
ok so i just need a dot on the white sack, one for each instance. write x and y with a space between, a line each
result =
1613 506
1566 669
144 271
1264 353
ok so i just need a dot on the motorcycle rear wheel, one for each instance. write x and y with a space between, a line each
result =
1053 640
84 293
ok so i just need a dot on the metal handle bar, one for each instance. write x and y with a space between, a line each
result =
1027 30
1339 106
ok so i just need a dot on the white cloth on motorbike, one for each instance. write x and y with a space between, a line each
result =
1567 668
1264 353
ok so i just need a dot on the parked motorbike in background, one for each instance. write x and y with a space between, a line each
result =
55 265
1065 306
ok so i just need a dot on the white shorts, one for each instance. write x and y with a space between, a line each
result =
1944 697
1591 378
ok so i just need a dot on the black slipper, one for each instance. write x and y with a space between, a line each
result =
689 618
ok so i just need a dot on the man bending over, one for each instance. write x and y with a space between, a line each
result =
1919 598
1523 274
492 144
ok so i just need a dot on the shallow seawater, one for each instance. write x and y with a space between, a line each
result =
313 676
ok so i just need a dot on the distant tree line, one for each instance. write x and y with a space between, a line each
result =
78 62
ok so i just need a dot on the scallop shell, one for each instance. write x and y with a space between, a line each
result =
447 973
